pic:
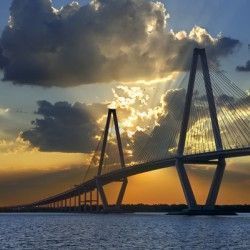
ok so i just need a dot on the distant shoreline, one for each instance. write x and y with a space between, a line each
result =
179 207
133 208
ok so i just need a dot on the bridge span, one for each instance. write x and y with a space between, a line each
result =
226 136
117 175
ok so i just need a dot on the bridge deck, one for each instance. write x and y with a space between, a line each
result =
204 158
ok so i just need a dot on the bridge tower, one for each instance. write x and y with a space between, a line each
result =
180 161
111 113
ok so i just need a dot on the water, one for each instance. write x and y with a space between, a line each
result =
123 231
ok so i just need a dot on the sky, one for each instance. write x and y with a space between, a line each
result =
62 67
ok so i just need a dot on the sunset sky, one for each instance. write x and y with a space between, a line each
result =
63 63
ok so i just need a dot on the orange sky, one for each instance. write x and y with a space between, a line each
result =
137 74
28 175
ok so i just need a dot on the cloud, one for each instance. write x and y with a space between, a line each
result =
103 41
243 102
4 111
147 127
245 68
3 59
77 127
63 128
14 146
225 99
232 102
162 140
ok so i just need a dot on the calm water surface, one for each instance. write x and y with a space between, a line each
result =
123 231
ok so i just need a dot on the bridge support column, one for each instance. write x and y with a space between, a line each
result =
102 194
70 204
121 193
104 198
64 208
79 203
90 201
217 179
75 205
97 201
99 185
85 202
184 128
187 189
186 186
215 186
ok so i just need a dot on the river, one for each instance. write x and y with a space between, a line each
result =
123 231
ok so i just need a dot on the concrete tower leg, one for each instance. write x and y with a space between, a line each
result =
187 189
216 183
122 162
214 189
218 175
121 193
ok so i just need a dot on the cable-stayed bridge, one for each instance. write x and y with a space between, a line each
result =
207 121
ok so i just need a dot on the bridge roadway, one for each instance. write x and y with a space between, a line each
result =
116 175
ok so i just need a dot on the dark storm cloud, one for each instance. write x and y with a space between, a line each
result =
244 101
102 41
70 128
225 98
63 128
162 139
229 101
3 59
245 68
225 46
